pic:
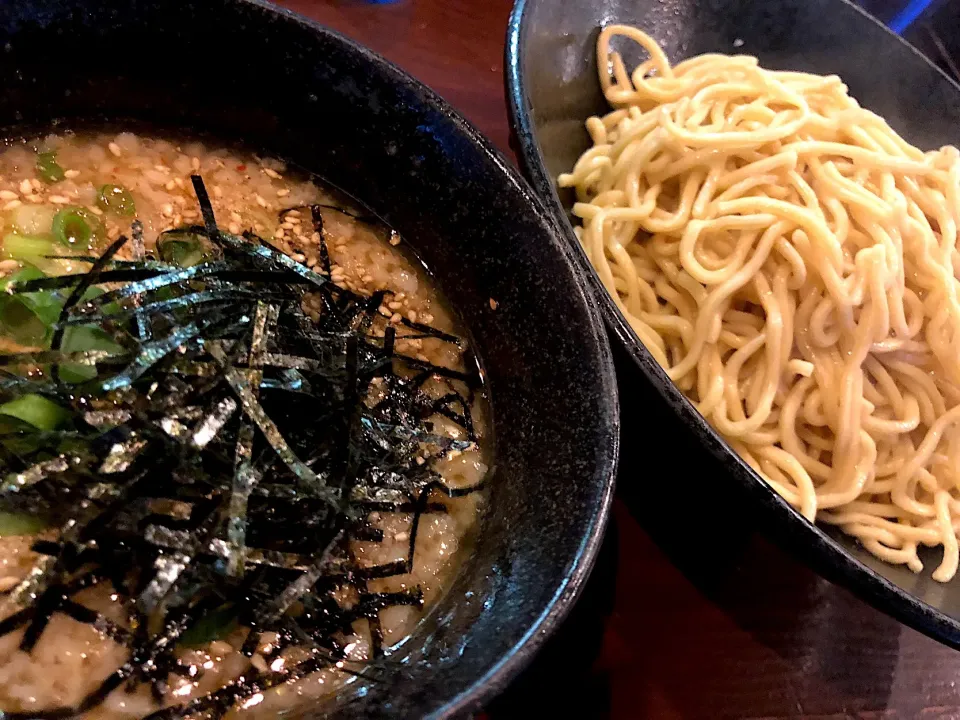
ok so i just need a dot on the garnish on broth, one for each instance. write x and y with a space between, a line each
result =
181 430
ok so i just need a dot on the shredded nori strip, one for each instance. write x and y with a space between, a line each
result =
226 456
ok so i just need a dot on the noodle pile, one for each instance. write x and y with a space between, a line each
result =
792 264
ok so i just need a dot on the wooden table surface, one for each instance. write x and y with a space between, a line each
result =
756 636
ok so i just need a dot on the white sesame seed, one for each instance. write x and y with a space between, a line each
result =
260 201
178 219
283 192
234 228
394 237
8 195
166 210
71 174
217 191
12 204
59 200
299 257
412 316
36 184
35 198
367 278
95 210
115 149
25 187
113 233
395 318
293 213
422 357
426 318
8 265
287 226
394 305
195 163
161 168
279 233
170 185
235 216
179 182
271 173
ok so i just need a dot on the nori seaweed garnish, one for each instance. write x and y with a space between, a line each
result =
191 479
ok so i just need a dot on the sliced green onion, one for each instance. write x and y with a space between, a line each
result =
215 625
183 249
116 199
20 524
48 169
27 247
36 410
77 227
32 219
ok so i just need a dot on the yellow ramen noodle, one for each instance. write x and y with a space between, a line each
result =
791 262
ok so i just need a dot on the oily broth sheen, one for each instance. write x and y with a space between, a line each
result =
247 192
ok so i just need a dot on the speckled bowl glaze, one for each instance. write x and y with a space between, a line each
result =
552 88
247 72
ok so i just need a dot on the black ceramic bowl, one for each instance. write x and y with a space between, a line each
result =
553 88
246 72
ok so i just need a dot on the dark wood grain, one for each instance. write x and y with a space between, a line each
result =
751 636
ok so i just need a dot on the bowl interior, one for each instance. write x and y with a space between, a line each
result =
245 72
553 89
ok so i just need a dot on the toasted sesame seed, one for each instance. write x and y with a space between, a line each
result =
426 318
59 200
283 192
25 187
113 232
293 213
36 184
95 210
178 219
287 225
271 173
161 168
195 163
312 262
236 217
115 149
279 233
217 191
367 279
394 305
412 316
234 228
71 174
493 304
396 318
8 195
260 201
35 198
12 204
299 257
384 311
166 209
170 185
394 237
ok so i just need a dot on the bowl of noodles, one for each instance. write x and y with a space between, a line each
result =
766 200
285 430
